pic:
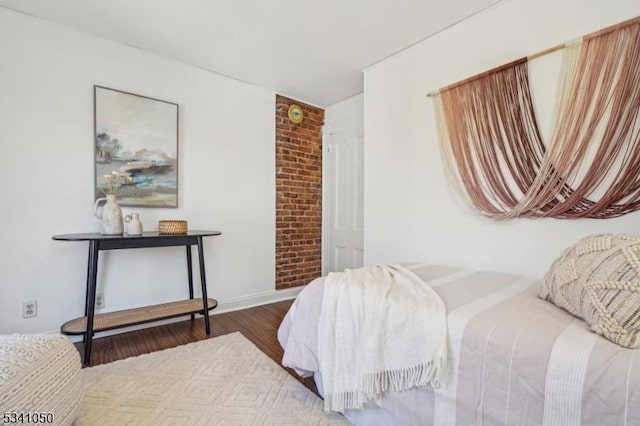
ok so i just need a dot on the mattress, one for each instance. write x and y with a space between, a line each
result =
514 359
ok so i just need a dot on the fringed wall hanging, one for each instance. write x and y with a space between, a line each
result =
492 145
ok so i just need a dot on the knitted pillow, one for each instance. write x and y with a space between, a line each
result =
598 280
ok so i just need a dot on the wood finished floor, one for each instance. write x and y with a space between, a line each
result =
259 325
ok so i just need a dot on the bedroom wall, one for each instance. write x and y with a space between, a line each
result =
298 194
226 176
410 212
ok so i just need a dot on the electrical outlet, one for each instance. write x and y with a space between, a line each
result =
29 309
99 300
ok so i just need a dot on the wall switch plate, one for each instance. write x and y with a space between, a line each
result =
29 309
99 300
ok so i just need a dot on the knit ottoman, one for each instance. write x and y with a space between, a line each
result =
39 376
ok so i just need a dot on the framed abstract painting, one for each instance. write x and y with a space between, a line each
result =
136 148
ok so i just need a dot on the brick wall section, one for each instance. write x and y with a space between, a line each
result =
298 195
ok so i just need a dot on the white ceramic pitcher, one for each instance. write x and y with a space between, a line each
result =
134 225
110 215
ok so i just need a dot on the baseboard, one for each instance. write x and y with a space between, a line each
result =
229 305
258 299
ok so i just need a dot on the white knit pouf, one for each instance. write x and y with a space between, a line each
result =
39 376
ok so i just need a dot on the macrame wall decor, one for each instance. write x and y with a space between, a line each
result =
492 145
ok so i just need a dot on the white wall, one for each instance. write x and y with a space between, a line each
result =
226 176
410 212
346 113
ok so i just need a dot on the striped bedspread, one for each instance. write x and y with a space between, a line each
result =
515 359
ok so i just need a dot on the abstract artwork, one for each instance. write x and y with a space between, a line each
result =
136 142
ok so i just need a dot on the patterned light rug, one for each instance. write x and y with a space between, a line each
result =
221 381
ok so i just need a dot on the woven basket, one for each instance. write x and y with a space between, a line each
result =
172 227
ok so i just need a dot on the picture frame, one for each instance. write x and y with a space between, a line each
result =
135 148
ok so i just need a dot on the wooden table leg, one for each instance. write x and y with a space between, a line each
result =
190 274
92 276
203 281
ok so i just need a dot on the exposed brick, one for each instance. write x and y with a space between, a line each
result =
298 195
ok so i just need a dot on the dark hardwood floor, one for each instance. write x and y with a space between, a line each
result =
259 325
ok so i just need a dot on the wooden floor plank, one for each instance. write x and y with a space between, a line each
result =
259 325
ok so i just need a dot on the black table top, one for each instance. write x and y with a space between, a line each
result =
93 236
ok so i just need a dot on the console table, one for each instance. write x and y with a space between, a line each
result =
91 323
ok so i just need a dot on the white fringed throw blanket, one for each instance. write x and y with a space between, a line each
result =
381 327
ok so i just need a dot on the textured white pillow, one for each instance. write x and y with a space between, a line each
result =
598 279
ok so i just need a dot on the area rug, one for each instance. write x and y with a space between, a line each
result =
225 380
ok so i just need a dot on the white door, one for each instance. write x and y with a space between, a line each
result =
343 198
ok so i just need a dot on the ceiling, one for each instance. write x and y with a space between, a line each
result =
313 51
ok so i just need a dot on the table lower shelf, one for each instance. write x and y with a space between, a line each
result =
119 319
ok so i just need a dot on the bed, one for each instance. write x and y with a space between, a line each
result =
514 359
